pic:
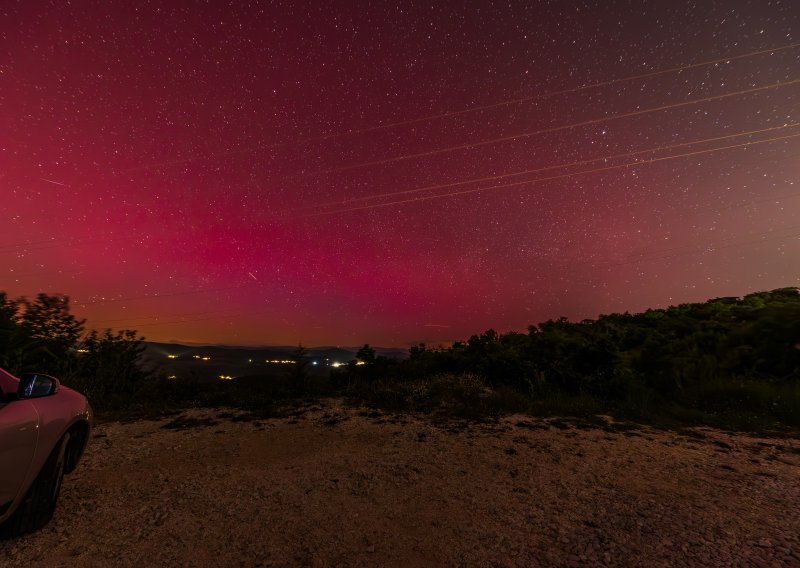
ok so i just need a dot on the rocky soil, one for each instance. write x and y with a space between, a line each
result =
332 486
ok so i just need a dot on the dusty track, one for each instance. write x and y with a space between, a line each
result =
341 487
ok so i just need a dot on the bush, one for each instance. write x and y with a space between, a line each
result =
107 369
728 360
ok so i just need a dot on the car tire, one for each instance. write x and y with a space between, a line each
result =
39 504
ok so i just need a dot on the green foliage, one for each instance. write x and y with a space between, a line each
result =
43 336
729 362
40 333
465 395
108 370
16 347
728 357
47 318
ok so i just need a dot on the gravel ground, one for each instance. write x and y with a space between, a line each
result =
341 487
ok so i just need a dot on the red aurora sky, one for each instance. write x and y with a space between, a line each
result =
284 172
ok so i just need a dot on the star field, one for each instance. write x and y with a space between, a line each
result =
262 173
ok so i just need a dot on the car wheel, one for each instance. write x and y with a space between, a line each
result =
40 502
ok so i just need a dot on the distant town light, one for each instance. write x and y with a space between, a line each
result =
226 377
336 364
172 356
172 377
82 350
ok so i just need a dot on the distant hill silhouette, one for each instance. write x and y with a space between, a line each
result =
234 360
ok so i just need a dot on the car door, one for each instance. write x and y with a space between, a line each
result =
19 431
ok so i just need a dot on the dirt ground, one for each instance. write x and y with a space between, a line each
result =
347 487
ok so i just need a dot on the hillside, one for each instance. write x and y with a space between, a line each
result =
206 362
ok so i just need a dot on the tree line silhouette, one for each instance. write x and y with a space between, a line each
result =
42 335
732 360
728 360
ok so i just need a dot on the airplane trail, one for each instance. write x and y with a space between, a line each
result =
54 182
549 178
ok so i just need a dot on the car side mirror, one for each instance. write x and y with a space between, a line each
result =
35 385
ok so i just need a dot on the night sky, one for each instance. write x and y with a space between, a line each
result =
268 173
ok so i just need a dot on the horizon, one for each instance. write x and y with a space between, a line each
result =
446 342
395 175
438 343
262 346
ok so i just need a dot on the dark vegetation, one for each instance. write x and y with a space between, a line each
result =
41 335
729 362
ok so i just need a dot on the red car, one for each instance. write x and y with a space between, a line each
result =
44 428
